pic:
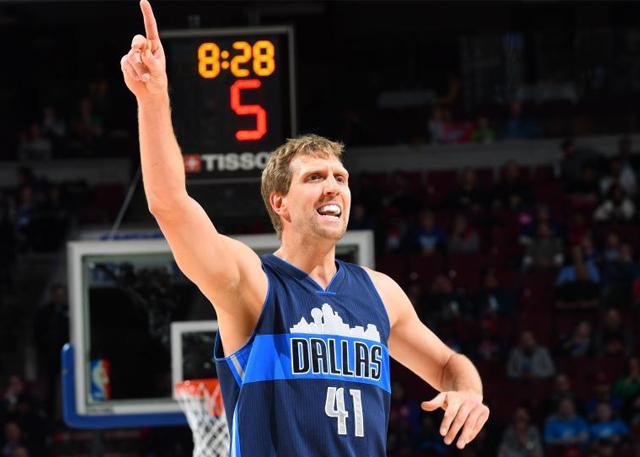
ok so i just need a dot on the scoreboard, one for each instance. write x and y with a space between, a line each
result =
232 98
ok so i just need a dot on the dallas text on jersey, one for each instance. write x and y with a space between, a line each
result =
344 357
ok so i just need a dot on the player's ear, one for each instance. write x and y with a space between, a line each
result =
279 204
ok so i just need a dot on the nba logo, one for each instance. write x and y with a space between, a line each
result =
192 163
100 383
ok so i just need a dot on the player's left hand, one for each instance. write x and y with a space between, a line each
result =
461 409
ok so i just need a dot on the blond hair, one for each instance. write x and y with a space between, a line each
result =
276 177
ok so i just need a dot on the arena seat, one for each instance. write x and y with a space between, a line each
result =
426 268
466 270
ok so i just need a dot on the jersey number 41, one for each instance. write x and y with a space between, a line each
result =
335 407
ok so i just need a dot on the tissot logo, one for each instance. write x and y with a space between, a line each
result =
231 161
192 163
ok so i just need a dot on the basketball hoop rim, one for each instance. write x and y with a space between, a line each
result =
193 386
207 389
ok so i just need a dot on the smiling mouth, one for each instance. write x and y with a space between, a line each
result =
330 210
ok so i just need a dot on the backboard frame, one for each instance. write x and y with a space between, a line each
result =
79 411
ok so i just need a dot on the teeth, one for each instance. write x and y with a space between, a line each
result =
333 209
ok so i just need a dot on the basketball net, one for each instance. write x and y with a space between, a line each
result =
201 401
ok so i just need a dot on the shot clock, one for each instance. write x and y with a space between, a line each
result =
232 97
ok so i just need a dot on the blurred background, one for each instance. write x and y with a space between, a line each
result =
493 150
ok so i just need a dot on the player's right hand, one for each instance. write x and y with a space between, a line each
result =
144 66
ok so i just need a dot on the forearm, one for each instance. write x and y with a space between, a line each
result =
459 374
163 172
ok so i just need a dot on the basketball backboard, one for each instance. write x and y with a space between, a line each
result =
138 326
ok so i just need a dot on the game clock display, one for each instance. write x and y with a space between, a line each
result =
232 97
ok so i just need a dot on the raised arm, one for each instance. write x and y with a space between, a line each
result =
226 271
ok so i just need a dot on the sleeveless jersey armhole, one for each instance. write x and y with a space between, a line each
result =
382 303
218 350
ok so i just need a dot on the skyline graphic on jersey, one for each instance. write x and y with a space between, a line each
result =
326 321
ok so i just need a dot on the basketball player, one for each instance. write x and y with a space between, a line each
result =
304 338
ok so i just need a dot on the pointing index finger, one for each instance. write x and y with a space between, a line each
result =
150 26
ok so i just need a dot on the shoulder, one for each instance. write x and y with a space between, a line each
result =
392 295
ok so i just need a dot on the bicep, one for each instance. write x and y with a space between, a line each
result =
217 264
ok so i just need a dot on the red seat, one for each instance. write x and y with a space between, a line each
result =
396 266
537 294
466 270
440 183
543 174
425 268
611 367
107 198
485 177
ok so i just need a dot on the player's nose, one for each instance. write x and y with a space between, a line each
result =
332 186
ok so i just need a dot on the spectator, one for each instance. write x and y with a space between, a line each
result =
519 127
565 427
546 250
483 133
625 178
437 126
607 428
628 386
34 145
429 440
602 394
560 390
443 303
33 423
628 164
488 346
578 229
632 413
13 438
529 360
584 192
86 127
581 342
463 238
529 225
493 298
53 126
7 243
618 207
589 251
468 195
399 198
619 271
14 390
568 273
394 233
613 339
573 162
51 332
26 219
359 219
611 251
20 451
521 438
429 237
512 191
580 292
404 413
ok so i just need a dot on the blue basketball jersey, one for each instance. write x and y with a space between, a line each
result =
313 379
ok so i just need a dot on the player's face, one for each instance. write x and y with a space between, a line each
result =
319 198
